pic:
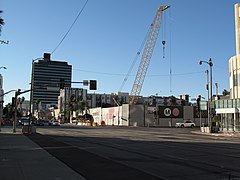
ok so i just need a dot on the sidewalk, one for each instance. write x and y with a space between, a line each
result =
22 159
220 134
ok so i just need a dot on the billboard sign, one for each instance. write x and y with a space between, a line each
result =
170 111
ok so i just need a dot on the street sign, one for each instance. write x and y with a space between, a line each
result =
203 105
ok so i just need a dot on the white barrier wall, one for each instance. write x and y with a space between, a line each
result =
111 116
96 114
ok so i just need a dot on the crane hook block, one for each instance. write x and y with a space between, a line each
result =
163 43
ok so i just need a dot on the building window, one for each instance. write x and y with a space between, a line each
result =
230 104
221 104
238 103
238 78
225 105
235 79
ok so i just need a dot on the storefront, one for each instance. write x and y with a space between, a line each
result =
228 110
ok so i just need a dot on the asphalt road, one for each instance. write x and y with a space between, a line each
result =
142 153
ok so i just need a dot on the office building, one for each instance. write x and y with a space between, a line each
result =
46 77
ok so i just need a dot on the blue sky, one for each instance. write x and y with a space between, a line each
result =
106 37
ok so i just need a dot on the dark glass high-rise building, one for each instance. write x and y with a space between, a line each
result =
47 75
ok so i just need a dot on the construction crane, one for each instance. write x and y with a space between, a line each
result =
146 56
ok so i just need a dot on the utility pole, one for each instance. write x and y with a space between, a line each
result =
208 103
211 94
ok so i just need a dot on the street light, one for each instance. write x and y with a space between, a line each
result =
1 101
210 63
31 93
207 88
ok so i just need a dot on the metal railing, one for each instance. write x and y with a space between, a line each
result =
227 103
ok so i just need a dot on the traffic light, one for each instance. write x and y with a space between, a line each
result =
198 103
13 102
62 83
18 92
93 85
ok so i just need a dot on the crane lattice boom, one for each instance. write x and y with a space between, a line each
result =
147 54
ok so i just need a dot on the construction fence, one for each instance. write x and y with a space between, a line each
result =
143 115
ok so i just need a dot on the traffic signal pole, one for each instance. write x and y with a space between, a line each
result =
92 83
15 112
18 92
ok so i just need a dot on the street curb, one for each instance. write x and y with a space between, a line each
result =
217 134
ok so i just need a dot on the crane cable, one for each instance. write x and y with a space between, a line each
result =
134 61
170 47
80 12
163 33
170 52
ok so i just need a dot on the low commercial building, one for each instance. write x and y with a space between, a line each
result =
70 97
107 100
228 111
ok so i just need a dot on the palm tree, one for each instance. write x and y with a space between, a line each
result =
225 92
7 111
20 101
81 106
1 21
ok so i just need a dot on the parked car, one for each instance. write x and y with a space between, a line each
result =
25 122
54 123
41 123
37 123
187 123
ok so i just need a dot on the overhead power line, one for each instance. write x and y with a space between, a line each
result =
153 75
80 12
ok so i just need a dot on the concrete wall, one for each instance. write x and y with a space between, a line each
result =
125 115
136 116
